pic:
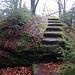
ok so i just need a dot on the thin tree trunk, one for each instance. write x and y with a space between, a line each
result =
33 6
15 2
20 3
64 10
59 8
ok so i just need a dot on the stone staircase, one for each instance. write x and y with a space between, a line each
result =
53 34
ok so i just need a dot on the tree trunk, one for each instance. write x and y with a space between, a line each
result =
59 8
64 10
33 6
20 3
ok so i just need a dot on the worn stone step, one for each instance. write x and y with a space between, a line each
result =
53 29
53 32
52 35
51 46
54 21
55 24
52 41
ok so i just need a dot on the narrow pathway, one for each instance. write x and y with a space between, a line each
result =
54 33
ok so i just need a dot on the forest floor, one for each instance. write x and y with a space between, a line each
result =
39 69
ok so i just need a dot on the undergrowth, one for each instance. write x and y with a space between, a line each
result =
68 55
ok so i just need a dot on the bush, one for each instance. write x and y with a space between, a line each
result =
67 69
68 54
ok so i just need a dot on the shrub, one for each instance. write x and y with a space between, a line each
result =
67 69
68 54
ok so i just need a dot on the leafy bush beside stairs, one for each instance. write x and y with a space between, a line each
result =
69 54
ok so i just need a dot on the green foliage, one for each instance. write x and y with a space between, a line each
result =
14 10
11 6
28 43
24 45
71 54
63 53
68 53
67 69
22 15
68 56
69 16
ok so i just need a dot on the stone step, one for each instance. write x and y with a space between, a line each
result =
52 41
54 21
52 35
53 29
55 24
51 46
53 32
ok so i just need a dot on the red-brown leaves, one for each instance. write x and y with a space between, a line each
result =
31 26
16 71
43 69
13 35
69 32
5 23
49 68
10 43
33 40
